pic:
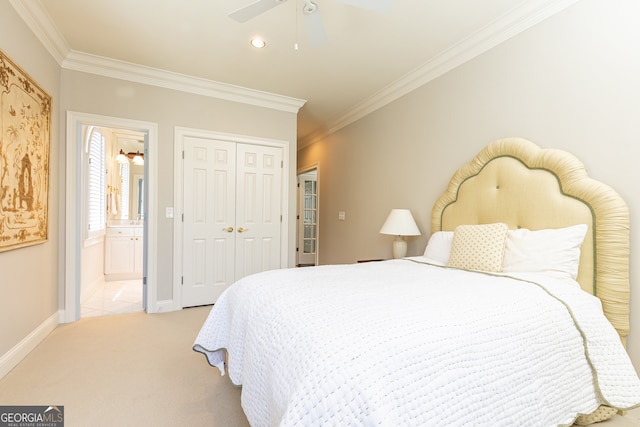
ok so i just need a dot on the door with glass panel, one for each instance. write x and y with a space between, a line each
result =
307 218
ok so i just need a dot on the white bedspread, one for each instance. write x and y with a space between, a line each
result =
402 343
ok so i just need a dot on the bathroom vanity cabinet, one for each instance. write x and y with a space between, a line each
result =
123 253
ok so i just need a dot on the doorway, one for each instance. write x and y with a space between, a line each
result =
75 199
307 217
111 263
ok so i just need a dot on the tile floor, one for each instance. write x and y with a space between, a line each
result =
116 297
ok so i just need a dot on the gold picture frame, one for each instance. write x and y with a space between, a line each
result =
25 123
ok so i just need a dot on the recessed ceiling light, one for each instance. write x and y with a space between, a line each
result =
257 42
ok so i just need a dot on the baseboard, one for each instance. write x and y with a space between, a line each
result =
10 359
163 306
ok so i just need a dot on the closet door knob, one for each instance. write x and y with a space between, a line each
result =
242 230
228 229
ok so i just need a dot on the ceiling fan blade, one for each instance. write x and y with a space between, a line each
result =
375 5
315 29
254 9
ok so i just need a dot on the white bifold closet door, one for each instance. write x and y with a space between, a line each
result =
231 227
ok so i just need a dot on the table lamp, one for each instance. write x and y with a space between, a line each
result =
400 223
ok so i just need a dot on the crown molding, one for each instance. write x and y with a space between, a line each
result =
36 18
109 67
516 21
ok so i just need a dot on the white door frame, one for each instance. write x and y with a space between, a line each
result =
179 134
73 208
301 171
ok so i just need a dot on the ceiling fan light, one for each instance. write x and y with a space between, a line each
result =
258 43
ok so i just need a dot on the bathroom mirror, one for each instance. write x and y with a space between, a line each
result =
125 176
136 206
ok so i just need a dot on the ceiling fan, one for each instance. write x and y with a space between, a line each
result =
312 18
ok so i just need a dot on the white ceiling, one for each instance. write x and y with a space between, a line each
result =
371 57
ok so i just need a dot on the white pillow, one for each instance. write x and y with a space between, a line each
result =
439 246
549 250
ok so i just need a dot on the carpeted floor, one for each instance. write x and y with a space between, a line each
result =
126 370
136 370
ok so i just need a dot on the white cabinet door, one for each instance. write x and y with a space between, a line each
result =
123 253
119 255
231 203
138 250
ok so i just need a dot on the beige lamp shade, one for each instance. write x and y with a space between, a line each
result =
400 223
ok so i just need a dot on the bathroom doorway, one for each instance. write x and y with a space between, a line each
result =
81 263
112 264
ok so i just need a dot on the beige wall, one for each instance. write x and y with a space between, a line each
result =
30 296
29 276
88 93
571 82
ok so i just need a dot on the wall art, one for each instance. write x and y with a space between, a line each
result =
25 122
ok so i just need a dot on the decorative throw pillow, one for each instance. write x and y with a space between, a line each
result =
601 414
439 246
552 250
479 247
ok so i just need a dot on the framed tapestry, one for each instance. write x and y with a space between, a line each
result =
25 122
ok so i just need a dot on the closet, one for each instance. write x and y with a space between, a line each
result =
232 219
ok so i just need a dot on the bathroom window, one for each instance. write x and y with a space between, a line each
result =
95 209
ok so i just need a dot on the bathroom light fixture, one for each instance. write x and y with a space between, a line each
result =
258 43
121 157
138 159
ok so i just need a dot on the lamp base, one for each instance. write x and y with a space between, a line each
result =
399 247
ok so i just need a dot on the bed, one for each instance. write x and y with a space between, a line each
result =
516 313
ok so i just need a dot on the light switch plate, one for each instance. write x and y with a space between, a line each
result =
169 212
341 215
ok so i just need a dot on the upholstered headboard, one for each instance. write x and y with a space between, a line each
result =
514 181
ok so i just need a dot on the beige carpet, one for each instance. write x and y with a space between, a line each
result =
136 370
126 370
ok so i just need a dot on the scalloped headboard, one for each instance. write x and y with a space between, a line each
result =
514 181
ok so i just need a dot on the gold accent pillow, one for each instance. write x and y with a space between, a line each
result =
479 247
601 414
